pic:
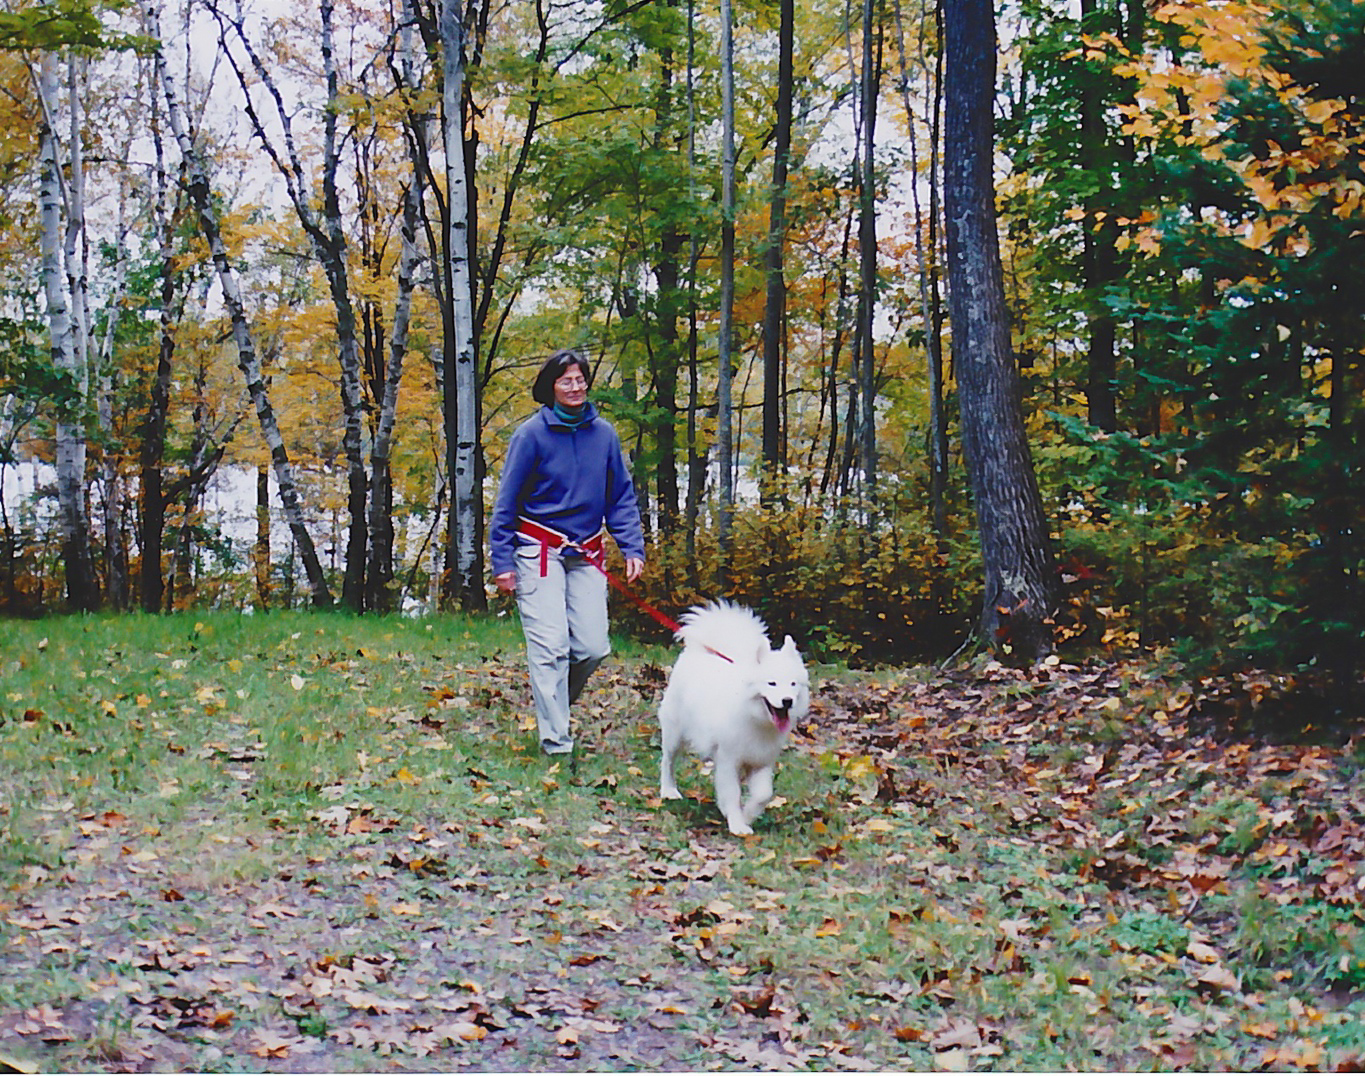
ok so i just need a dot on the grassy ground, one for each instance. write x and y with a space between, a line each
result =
318 843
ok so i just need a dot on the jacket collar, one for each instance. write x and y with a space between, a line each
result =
554 422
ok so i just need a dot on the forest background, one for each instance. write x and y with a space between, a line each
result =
322 252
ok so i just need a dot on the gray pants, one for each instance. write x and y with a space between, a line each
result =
564 618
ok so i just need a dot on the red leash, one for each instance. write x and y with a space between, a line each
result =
594 551
600 562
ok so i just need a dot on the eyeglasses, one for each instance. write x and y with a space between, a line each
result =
571 383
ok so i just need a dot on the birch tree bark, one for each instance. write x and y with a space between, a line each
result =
333 253
82 588
328 240
115 549
1021 586
248 362
260 549
152 450
464 584
379 572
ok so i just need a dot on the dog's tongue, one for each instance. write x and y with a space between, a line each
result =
781 718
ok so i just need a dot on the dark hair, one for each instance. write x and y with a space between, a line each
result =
543 391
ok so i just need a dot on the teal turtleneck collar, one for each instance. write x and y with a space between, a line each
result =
572 419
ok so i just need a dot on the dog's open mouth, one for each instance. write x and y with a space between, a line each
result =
781 715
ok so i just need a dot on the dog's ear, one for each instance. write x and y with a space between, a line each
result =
790 644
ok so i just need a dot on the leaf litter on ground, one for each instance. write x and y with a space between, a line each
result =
306 844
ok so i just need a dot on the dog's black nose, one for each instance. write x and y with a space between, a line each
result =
787 704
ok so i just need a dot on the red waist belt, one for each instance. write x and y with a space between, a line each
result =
549 539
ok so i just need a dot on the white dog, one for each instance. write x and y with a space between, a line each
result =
731 698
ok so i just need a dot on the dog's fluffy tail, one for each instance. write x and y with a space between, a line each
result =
724 629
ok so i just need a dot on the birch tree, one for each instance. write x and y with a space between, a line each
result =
115 550
379 571
68 347
248 361
464 584
327 237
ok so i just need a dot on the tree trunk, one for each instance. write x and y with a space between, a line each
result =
725 450
332 249
77 253
463 540
775 304
867 248
199 468
668 273
696 455
1021 580
115 548
926 254
260 554
379 577
151 482
1099 237
669 306
82 589
247 360
328 239
379 574
933 302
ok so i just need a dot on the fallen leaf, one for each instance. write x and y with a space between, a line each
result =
462 1030
369 1002
269 1044
1219 977
963 1033
760 1005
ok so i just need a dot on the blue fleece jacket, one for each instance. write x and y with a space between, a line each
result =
573 479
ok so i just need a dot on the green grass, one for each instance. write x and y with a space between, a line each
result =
304 842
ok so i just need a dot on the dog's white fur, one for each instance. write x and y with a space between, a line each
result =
731 698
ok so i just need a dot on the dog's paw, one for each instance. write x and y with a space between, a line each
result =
670 794
741 829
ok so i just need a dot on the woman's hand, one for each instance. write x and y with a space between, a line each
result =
507 582
635 567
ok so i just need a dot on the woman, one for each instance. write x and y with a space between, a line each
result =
564 484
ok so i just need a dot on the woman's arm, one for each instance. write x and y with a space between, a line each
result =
517 468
